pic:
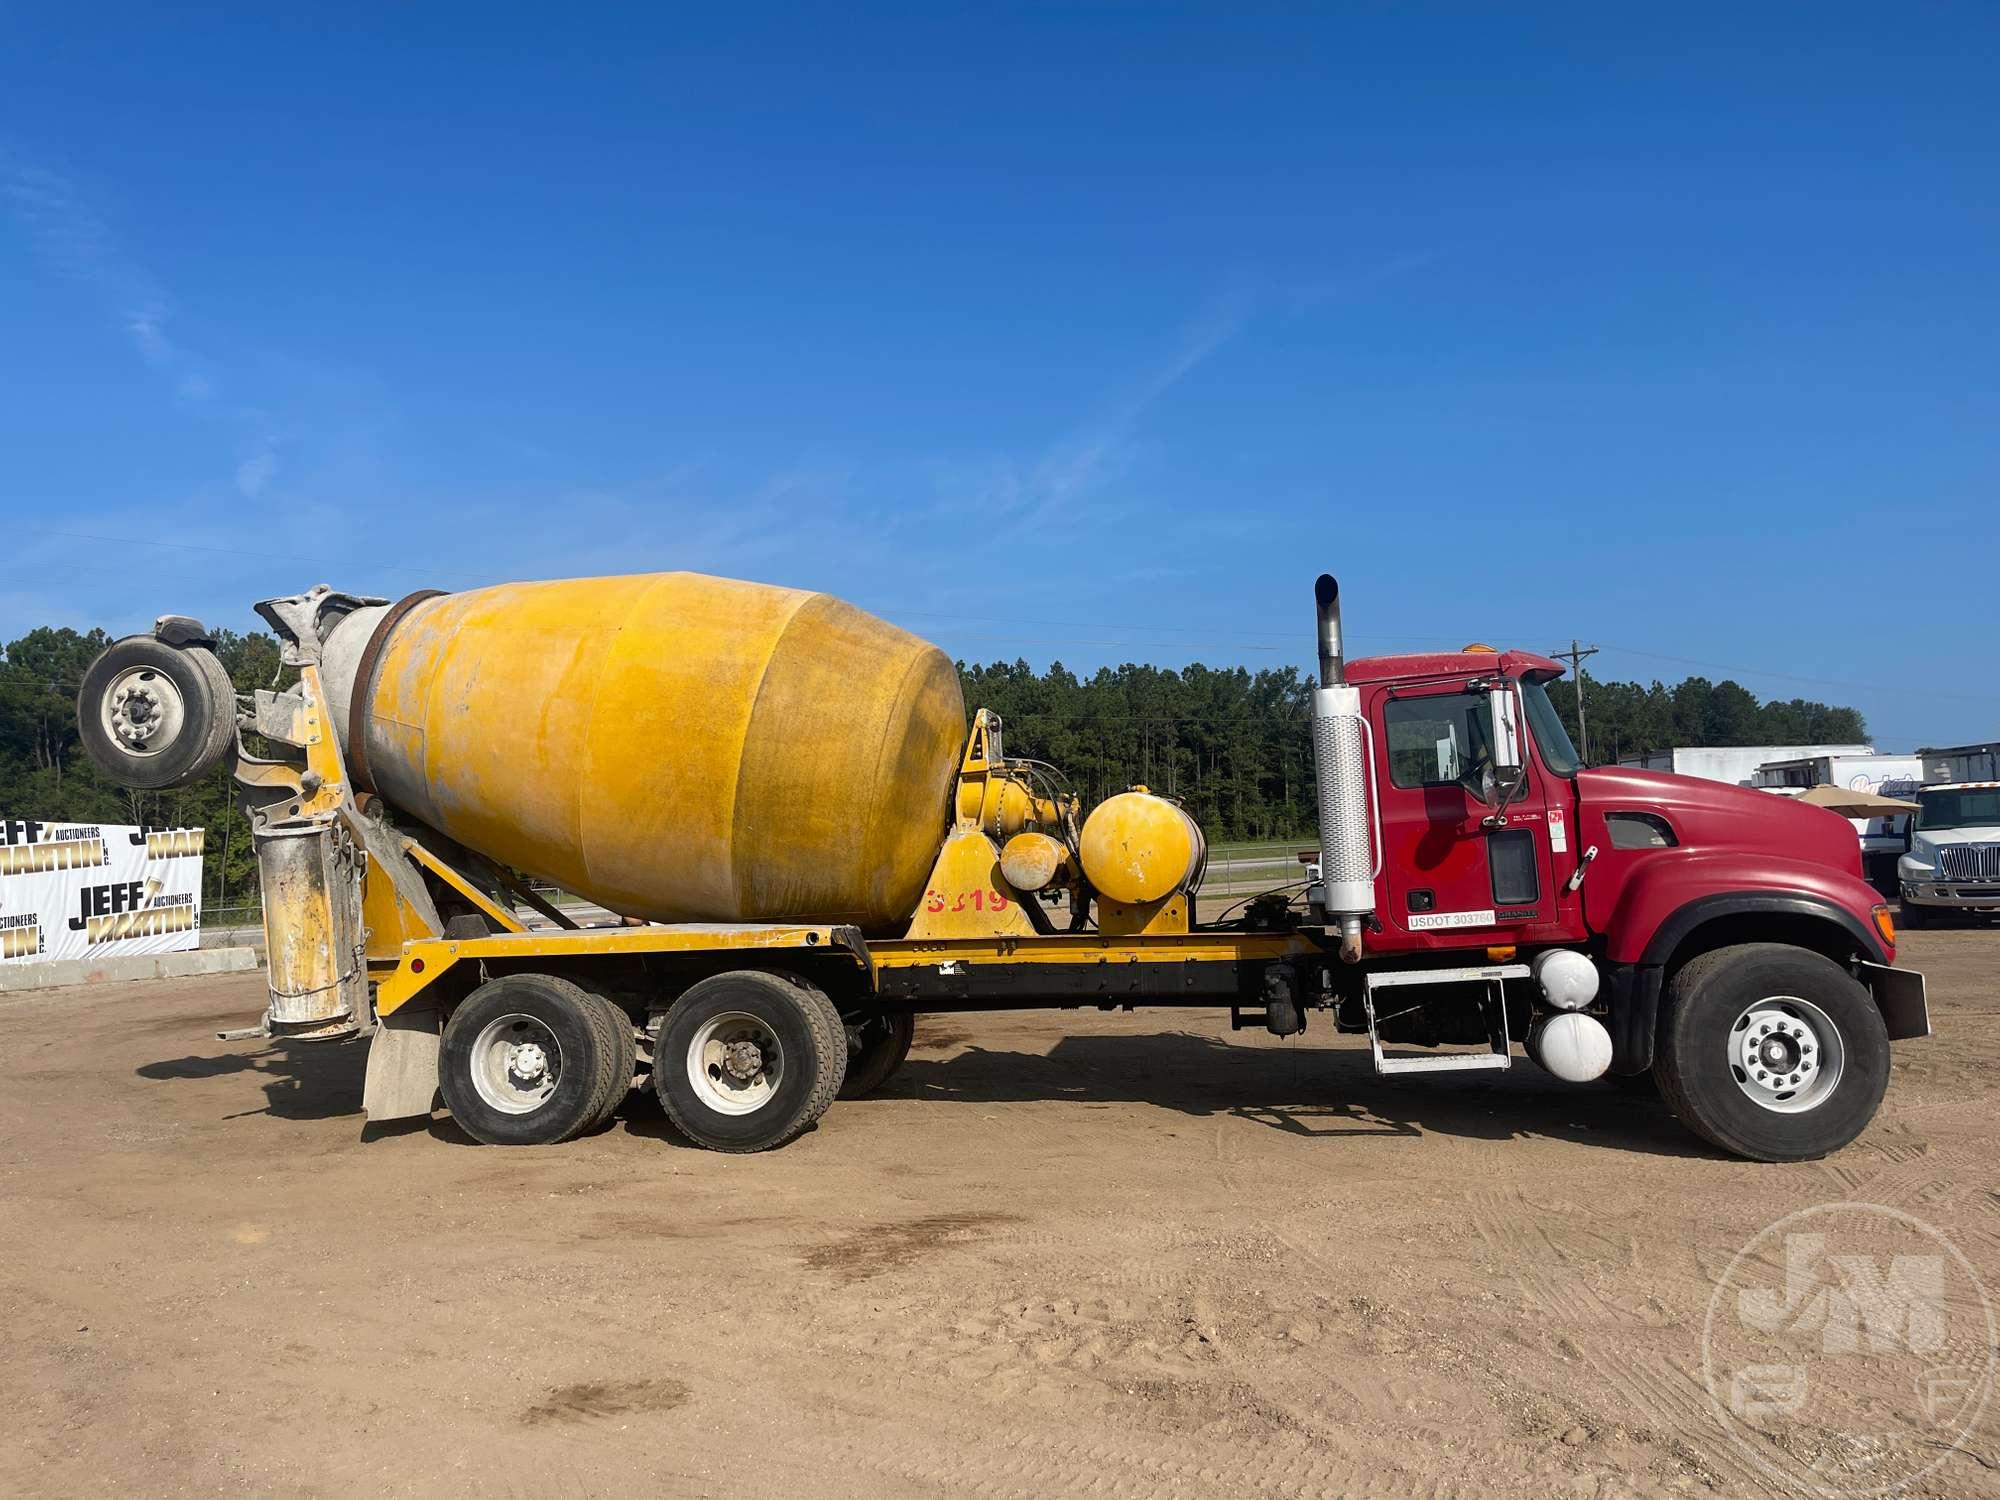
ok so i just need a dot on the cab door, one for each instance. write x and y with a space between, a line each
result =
1446 877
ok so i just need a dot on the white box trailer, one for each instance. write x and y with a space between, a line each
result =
1854 773
1735 764
1883 840
1962 763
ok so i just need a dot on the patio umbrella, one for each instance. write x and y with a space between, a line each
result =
1856 804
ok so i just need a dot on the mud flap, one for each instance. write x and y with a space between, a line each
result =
402 1065
1899 995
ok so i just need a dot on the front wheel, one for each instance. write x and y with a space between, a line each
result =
747 1060
1772 1052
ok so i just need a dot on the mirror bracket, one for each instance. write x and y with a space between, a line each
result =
1509 750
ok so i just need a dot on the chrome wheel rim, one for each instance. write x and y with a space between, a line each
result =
516 1064
1786 1055
735 1063
142 711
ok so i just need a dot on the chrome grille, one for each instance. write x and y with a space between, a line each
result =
1969 862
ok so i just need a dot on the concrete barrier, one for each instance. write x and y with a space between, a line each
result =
59 973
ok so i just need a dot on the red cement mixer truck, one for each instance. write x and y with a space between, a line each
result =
809 845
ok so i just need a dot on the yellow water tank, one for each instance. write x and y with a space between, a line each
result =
671 745
1138 848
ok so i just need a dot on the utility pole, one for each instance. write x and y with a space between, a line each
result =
1576 656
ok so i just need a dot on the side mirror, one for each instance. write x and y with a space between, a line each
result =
1510 760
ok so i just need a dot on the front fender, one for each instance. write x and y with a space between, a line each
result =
1666 900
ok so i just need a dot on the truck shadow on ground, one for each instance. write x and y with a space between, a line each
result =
319 1081
1303 1090
1308 1091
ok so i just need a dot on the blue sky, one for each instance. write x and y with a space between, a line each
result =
1087 334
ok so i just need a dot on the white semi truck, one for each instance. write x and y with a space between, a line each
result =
1953 863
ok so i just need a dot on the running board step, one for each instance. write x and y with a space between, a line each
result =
1492 1005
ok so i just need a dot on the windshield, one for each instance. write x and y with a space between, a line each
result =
1558 754
1979 809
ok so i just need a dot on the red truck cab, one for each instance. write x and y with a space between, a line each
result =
1744 960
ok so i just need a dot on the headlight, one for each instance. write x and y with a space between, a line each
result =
1921 858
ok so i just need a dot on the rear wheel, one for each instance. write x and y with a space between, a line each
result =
531 1060
155 716
616 1029
876 1048
1772 1052
747 1060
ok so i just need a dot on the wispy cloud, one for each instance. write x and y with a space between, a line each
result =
74 241
254 473
1102 444
1083 462
1312 295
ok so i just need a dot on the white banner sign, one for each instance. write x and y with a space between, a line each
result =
70 890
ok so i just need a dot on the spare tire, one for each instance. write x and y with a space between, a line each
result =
154 716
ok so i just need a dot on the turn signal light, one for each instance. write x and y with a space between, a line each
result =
1885 923
1500 955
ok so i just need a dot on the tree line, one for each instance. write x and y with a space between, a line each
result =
1233 745
1627 719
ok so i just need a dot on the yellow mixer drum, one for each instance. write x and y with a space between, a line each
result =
671 745
1138 848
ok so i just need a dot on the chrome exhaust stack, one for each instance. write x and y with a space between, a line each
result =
1332 651
1341 752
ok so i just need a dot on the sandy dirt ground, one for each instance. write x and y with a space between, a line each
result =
1064 1254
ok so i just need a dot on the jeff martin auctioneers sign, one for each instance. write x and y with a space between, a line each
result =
72 890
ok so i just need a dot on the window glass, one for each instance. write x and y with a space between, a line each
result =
1510 858
1967 809
1558 753
1437 740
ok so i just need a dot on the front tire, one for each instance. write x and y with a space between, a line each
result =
747 1060
1772 1052
1912 917
533 1060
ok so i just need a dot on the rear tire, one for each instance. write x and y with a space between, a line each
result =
747 1060
876 1048
1812 1083
532 1060
154 716
624 1049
